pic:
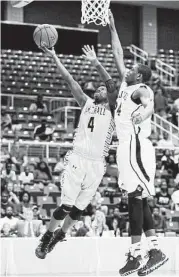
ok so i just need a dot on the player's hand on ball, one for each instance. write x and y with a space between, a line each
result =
137 118
46 50
89 53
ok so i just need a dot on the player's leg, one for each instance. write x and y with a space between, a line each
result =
58 216
59 235
156 256
70 183
128 166
76 174
93 172
136 224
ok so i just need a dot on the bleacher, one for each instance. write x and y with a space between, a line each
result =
170 57
28 74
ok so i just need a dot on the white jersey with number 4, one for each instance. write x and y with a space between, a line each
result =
124 110
95 129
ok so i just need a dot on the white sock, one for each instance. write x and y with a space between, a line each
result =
135 249
153 242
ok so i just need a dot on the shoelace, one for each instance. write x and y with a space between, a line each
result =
148 255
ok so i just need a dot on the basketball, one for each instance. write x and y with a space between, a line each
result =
47 34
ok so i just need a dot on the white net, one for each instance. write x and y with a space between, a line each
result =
95 11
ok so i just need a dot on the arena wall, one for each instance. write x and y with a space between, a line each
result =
168 29
78 257
51 12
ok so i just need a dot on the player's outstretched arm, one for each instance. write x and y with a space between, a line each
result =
144 95
75 88
116 47
90 55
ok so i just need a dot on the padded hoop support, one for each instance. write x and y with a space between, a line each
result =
95 11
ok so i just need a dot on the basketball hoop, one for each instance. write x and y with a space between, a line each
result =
95 11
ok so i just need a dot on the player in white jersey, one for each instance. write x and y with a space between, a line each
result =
85 164
136 156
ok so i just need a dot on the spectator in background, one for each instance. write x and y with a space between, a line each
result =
36 213
161 102
43 132
13 198
26 177
165 141
115 226
16 125
38 106
29 227
175 113
175 198
6 231
6 200
4 156
25 203
98 222
83 230
8 175
163 198
9 219
123 205
59 167
18 156
112 169
109 217
17 188
6 121
97 200
168 162
176 164
43 174
159 220
176 181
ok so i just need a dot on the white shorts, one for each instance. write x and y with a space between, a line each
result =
136 164
80 180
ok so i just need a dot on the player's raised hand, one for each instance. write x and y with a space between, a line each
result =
111 18
47 51
89 53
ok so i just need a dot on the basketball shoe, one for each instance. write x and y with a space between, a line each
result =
59 235
42 249
156 260
132 265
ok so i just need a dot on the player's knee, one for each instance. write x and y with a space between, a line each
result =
75 213
61 212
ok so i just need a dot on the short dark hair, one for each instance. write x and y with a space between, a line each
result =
145 71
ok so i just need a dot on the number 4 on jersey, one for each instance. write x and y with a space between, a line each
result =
91 123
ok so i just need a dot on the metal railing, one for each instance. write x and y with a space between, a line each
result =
166 72
139 54
65 110
57 104
162 126
48 150
53 102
